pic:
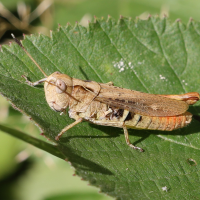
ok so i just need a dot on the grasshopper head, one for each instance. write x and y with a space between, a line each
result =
58 88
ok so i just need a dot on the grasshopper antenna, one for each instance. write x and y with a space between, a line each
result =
42 80
20 44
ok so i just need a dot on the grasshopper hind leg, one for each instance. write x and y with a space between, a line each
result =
119 125
128 141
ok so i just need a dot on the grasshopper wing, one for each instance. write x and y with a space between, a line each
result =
139 102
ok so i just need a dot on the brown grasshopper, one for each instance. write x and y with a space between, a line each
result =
108 105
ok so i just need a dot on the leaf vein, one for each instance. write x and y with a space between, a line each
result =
185 50
82 56
124 58
165 56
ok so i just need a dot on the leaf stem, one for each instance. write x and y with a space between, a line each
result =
33 141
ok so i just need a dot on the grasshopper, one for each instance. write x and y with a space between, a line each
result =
108 105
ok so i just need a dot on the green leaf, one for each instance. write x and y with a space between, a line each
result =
154 56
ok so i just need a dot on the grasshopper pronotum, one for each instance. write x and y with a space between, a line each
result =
108 105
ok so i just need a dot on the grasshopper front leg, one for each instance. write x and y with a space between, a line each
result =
68 127
34 83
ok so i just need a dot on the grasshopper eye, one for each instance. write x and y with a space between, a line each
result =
61 86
